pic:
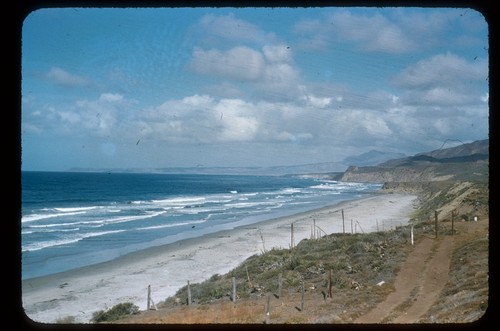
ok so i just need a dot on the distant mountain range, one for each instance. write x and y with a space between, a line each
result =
362 167
464 162
370 158
471 152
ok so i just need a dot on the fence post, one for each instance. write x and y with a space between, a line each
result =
452 221
189 294
436 222
411 234
280 283
149 297
302 299
343 223
330 284
351 227
292 242
234 289
315 230
268 305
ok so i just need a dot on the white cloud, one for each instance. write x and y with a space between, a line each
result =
318 102
277 53
240 63
370 33
198 100
62 77
486 97
373 33
99 117
441 69
271 72
110 97
393 31
230 28
443 79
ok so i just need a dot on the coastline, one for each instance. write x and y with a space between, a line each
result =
81 292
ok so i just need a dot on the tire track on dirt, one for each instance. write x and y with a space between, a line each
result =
434 279
418 274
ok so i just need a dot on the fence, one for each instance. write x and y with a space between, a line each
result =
437 228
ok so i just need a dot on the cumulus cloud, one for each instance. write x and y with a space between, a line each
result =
99 117
229 28
64 78
271 70
370 33
200 118
443 79
240 63
203 119
398 31
317 102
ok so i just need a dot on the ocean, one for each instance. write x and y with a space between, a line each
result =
71 220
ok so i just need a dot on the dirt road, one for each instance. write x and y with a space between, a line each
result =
420 280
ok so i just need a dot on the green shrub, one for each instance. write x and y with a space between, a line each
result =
115 313
66 320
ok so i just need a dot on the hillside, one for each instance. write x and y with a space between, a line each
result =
358 278
464 162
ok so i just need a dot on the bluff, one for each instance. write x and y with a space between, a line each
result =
464 162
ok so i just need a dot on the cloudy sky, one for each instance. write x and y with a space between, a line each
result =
149 88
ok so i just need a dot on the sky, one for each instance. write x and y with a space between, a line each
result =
204 87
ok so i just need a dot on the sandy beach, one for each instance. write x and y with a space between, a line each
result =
79 293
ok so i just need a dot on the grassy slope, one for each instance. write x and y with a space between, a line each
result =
358 263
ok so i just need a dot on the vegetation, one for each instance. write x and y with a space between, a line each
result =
115 313
359 264
352 258
363 267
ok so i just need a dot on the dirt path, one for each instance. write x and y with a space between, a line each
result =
423 275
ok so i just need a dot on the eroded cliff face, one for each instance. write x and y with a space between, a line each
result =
397 174
419 172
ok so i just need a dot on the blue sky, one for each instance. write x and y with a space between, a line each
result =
175 87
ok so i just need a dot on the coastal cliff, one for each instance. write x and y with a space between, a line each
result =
464 162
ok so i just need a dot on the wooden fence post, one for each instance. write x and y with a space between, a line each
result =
330 284
268 305
436 222
343 223
452 221
411 234
302 299
315 230
149 297
351 227
234 289
189 294
150 301
280 284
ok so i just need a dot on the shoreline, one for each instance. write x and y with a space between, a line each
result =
80 292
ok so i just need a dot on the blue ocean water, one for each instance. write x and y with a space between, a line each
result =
71 219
